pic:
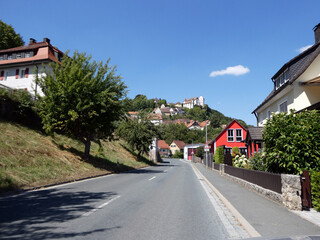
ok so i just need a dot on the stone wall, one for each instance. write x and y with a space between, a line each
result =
254 187
291 189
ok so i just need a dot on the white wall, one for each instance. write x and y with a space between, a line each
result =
22 82
297 96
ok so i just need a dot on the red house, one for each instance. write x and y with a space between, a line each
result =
233 135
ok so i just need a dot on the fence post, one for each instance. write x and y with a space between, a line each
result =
306 190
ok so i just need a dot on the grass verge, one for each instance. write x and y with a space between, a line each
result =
30 159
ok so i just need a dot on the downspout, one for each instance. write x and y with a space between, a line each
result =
255 114
35 90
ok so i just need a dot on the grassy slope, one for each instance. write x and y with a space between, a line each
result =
30 159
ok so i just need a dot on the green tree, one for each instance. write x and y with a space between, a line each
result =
200 152
292 142
138 133
171 131
82 99
8 37
142 103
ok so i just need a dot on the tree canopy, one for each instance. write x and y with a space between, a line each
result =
82 98
139 133
8 37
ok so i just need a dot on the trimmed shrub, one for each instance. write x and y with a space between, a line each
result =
315 190
292 142
219 155
235 151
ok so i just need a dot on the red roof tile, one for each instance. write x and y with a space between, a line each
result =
180 144
163 145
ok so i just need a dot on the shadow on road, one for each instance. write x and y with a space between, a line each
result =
36 215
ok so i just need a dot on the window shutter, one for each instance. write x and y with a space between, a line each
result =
1 76
17 73
26 73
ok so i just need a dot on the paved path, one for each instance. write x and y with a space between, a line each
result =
163 202
269 219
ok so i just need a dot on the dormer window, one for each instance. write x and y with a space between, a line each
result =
282 79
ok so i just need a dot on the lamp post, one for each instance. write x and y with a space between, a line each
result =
206 144
192 152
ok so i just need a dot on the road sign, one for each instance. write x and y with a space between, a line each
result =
206 148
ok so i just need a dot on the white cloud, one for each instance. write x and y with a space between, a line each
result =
302 49
236 71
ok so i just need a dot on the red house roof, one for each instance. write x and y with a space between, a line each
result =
42 51
180 144
163 145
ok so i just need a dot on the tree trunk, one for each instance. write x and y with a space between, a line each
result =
87 148
139 155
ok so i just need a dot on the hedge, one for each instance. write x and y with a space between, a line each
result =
315 190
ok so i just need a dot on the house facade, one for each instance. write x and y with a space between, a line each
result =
191 102
233 135
19 66
296 85
190 150
164 149
155 118
176 146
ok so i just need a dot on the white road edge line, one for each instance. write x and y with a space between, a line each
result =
246 225
99 207
150 179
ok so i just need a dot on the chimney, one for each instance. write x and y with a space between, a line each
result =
316 30
47 40
32 41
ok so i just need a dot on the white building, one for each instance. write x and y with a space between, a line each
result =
19 66
296 85
191 102
190 150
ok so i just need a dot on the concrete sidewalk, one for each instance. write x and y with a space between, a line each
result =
269 219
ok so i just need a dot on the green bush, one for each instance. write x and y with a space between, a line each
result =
235 150
219 155
177 155
315 190
200 152
258 162
292 142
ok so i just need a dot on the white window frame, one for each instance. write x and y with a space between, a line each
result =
284 77
268 113
22 72
231 130
282 102
239 136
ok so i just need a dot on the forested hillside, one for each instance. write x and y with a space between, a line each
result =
173 131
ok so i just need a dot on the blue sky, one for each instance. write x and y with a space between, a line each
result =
177 49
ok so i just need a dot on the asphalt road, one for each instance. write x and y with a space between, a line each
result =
162 202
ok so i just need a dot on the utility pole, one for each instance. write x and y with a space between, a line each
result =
206 133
